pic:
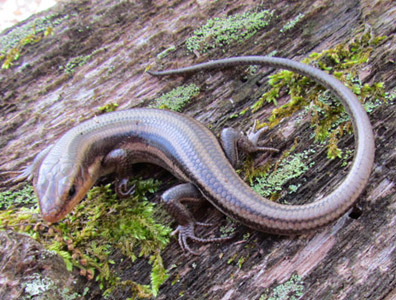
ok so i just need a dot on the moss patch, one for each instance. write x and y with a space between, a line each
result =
13 43
85 239
293 166
328 116
166 52
75 62
109 107
219 32
292 289
177 98
292 23
23 197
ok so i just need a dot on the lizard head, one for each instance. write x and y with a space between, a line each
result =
61 185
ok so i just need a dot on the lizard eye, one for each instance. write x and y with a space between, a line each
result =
72 191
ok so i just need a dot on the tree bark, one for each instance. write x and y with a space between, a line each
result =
354 258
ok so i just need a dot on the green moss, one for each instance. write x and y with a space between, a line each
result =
165 53
19 211
14 36
25 196
288 168
13 43
13 54
75 62
390 96
232 258
328 117
85 239
219 32
292 289
241 261
237 258
290 25
109 107
177 98
228 229
347 155
249 171
130 227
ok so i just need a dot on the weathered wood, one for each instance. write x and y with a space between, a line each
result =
25 266
351 259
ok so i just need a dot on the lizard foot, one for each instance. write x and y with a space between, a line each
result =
187 232
123 189
253 137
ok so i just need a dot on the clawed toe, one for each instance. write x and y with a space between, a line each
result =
204 224
123 189
267 149
187 232
253 137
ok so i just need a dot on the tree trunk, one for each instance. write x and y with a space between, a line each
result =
42 97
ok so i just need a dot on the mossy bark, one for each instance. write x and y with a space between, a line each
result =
354 258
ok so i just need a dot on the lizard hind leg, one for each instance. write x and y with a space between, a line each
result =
173 199
232 140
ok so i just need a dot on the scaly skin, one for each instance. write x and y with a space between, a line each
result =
185 147
260 213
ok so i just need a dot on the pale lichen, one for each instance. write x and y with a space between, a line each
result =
289 25
177 98
218 32
292 289
288 168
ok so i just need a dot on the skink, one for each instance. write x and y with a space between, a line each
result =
63 173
